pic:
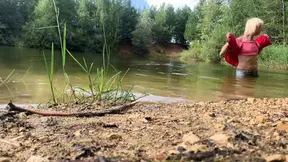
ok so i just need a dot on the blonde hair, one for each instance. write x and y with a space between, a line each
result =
252 25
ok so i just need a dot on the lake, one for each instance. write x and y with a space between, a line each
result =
164 79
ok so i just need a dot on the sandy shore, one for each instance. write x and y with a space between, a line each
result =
245 130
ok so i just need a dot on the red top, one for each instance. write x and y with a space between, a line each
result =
238 47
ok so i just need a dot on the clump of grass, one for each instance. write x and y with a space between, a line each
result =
100 88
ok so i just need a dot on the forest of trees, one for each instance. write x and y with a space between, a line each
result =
93 23
211 19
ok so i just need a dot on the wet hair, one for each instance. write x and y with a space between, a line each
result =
252 25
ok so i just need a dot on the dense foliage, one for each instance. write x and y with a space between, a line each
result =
101 25
211 19
91 24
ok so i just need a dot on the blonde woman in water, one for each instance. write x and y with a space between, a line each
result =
242 52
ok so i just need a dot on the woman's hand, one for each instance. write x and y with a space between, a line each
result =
266 35
228 34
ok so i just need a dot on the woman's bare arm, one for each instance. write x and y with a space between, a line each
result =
224 50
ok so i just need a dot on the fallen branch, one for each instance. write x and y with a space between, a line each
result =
113 110
5 114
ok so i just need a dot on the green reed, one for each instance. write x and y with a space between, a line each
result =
50 72
100 88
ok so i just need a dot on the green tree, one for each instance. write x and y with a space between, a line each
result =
40 31
153 11
43 16
13 14
109 17
275 23
142 36
211 12
87 34
162 33
170 17
182 16
129 16
191 30
212 29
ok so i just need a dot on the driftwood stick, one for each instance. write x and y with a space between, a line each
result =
113 110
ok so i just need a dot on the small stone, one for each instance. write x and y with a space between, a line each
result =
201 103
4 159
276 135
261 119
22 129
220 126
276 157
26 135
190 138
148 119
282 127
37 159
181 149
212 115
284 120
220 139
115 137
250 100
173 152
22 116
78 133
196 148
27 143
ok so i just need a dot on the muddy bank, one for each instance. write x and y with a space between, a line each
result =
168 49
244 130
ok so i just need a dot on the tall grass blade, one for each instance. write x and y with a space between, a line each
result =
91 66
85 64
57 20
64 46
52 63
8 77
111 81
11 77
77 62
51 72
26 73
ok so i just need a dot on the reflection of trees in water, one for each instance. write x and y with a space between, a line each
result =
169 72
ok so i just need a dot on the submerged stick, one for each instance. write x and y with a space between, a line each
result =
113 110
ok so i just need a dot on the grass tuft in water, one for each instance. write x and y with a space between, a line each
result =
100 88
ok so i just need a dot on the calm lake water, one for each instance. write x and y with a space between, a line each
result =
157 77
